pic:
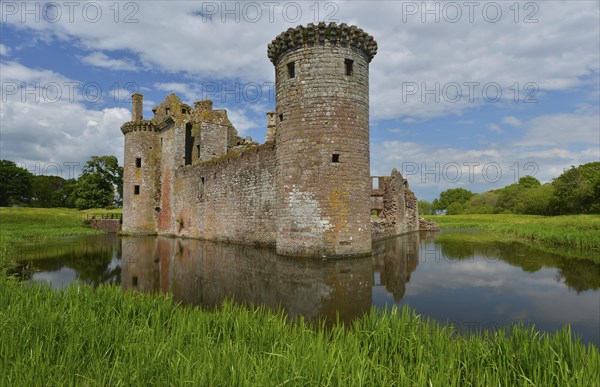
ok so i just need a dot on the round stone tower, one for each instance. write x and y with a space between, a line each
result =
139 175
322 140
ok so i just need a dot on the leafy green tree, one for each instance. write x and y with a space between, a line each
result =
455 208
483 203
450 196
68 193
46 191
529 182
510 199
15 184
100 184
577 190
537 200
424 207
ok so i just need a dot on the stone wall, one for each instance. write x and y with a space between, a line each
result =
227 199
396 205
108 225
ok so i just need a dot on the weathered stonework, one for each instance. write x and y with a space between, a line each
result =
307 190
395 206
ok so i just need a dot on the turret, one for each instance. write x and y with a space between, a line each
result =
322 135
140 169
136 107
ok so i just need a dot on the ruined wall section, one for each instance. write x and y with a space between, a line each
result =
400 212
412 209
228 199
213 140
394 203
163 213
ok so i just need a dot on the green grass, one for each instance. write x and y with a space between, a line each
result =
19 226
576 231
110 337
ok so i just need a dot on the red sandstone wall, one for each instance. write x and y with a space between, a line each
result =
230 199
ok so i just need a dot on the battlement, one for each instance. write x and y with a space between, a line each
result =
139 126
343 35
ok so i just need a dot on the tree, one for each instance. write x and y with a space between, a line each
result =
510 199
529 182
100 184
15 184
577 190
424 207
46 191
483 203
450 196
537 200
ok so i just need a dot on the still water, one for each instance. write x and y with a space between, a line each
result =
471 285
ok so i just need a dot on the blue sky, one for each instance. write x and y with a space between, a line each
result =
462 94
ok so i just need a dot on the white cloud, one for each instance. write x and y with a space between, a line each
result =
174 37
513 121
62 130
100 59
239 118
172 86
4 50
563 128
495 128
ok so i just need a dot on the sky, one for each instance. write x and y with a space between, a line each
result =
463 94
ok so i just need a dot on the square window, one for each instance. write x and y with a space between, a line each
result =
291 69
136 189
335 158
138 162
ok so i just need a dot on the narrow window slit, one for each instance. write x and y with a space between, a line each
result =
349 66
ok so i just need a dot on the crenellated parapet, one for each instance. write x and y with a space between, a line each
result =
139 126
343 35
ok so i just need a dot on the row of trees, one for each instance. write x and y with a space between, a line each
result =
575 191
99 185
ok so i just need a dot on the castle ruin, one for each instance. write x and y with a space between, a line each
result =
307 190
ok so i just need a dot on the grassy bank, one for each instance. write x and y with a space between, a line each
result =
37 225
578 231
108 337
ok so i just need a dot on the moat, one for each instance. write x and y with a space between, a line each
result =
470 285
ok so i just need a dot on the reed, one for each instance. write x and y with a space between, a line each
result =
109 337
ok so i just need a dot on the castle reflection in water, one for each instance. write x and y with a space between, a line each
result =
206 273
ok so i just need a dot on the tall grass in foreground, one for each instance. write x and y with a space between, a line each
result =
579 231
111 337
